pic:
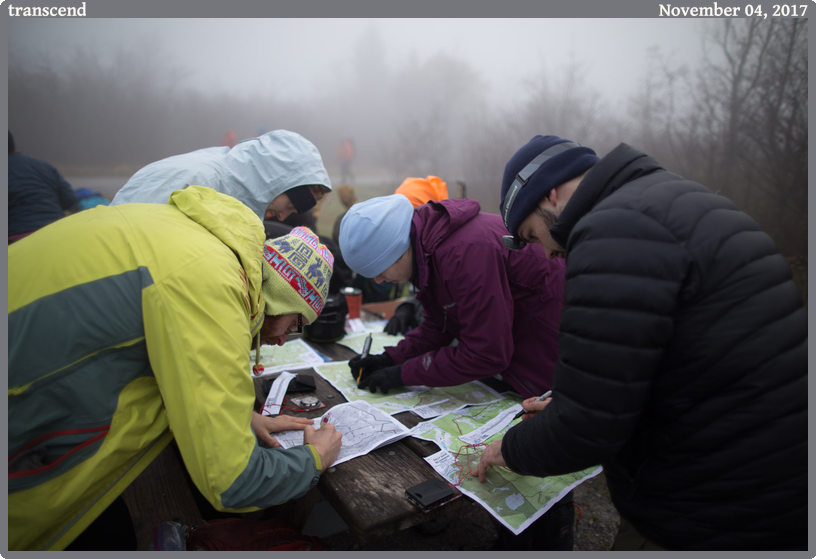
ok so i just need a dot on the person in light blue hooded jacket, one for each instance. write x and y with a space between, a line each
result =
280 171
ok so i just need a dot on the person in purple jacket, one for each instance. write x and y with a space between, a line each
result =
504 307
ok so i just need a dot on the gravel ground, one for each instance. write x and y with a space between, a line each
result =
473 530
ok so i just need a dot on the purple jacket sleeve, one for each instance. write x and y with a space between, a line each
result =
427 337
482 302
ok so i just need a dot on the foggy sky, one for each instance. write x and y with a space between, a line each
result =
298 58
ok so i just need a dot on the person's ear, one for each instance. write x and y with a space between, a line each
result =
553 196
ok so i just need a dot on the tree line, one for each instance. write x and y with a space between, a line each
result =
736 122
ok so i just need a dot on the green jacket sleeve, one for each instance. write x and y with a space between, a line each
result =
198 340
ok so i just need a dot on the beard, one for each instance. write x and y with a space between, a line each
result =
549 217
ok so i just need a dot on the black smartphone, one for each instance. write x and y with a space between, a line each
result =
430 493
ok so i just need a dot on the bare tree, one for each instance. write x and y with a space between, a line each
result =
739 123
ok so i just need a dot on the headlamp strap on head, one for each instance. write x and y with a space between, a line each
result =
524 175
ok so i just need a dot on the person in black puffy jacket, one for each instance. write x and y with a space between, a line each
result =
683 366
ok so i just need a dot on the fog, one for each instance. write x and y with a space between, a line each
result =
452 98
291 59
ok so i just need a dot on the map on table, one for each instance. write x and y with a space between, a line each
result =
455 430
514 500
379 341
291 356
364 428
424 401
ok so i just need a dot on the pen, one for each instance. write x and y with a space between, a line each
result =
544 396
366 349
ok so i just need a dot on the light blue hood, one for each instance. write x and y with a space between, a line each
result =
255 171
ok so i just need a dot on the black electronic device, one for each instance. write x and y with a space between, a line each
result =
301 383
430 494
330 326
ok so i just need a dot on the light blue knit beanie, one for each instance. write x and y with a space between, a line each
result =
375 233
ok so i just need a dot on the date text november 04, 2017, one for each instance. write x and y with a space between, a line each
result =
749 10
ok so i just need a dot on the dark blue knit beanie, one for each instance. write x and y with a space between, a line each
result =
553 172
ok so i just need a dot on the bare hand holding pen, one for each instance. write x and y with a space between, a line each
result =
533 405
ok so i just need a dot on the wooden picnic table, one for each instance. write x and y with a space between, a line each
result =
367 492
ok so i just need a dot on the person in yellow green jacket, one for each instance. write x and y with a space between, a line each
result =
131 325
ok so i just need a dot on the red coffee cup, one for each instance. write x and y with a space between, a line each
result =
354 300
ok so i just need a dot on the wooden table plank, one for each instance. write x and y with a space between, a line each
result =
369 492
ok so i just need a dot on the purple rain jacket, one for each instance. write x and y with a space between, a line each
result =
503 306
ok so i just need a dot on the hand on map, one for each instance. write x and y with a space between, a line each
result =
490 457
369 364
263 425
327 441
384 379
533 406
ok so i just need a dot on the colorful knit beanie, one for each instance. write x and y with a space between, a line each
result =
296 274
421 191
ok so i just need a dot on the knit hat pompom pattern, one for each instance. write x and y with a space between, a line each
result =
553 172
296 273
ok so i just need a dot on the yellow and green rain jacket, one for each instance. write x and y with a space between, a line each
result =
128 326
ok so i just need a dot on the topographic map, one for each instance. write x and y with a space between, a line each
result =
514 500
364 428
423 401
291 356
379 341
447 431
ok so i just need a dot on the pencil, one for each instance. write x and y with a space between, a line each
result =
366 349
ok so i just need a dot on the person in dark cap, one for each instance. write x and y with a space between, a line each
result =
37 194
683 352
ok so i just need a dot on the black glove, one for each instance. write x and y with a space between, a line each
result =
403 320
369 365
384 379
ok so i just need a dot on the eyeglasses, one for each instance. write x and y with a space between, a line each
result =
299 326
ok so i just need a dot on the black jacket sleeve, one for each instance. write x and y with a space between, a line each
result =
624 273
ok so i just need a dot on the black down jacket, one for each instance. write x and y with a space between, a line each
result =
683 366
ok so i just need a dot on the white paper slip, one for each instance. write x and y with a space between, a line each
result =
274 399
431 410
492 427
356 325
